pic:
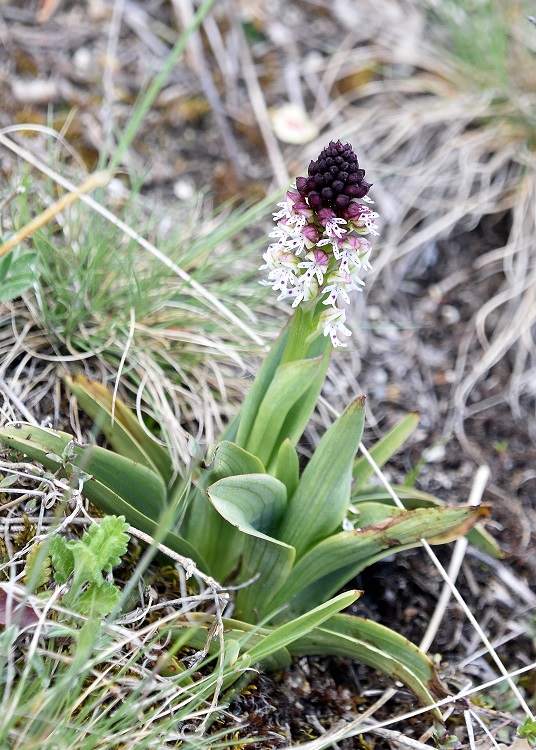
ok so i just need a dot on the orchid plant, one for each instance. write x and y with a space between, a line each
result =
247 515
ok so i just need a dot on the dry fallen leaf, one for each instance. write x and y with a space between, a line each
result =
24 615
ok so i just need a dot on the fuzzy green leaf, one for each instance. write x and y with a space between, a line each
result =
108 541
62 559
98 599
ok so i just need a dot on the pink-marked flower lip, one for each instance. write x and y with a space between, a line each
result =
311 233
334 179
320 257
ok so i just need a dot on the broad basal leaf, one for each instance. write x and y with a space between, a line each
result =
412 498
254 504
216 539
289 383
121 428
139 490
319 504
338 559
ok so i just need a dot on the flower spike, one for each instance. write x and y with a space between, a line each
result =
323 221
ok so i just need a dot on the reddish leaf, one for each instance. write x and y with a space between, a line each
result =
23 614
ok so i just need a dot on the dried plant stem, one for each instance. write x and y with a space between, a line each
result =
98 179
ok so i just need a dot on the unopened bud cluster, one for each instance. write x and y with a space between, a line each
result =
319 248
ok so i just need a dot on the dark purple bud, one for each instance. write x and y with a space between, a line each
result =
301 185
334 179
354 211
352 191
341 202
315 201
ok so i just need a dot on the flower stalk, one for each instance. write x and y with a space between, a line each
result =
320 250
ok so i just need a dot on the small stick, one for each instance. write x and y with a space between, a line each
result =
97 179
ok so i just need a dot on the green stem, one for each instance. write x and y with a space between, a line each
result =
303 332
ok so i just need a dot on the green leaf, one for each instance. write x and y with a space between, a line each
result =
412 498
243 633
320 502
339 558
284 635
382 451
289 383
300 414
288 467
143 488
250 407
108 541
16 274
254 504
217 541
62 559
380 648
16 285
124 432
98 600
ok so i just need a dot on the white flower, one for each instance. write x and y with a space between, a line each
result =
316 264
332 321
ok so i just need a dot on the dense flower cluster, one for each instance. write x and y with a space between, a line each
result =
319 246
